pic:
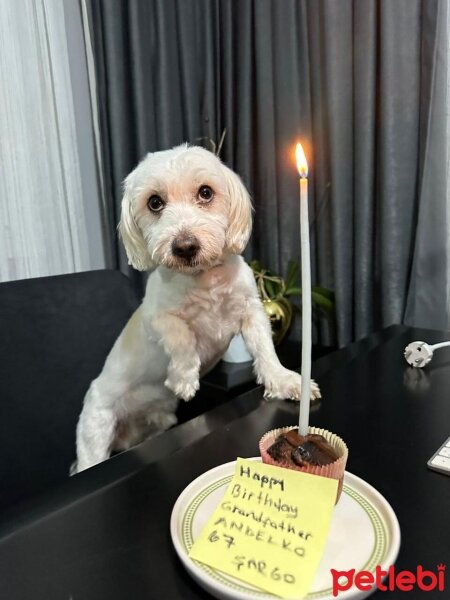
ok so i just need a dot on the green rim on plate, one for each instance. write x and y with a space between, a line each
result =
381 541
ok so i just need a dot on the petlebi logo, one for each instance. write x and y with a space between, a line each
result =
390 580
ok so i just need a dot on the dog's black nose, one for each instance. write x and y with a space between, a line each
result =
185 246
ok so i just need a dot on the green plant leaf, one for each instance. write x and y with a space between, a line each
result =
293 291
322 302
324 292
292 273
270 288
255 265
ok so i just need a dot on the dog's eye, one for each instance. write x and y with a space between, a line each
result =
205 193
155 203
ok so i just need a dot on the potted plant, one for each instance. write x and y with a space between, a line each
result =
275 292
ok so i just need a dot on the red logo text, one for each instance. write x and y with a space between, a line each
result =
389 580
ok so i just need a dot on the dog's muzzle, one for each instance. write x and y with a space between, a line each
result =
185 246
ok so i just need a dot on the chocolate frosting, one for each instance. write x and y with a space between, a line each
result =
312 449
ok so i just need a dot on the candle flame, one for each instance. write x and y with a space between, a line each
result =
302 165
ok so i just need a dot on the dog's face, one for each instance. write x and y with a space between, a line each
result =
184 209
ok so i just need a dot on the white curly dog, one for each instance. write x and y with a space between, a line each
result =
187 214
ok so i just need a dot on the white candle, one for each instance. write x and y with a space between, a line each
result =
302 167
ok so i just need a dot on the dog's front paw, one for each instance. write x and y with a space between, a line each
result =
286 385
184 388
315 391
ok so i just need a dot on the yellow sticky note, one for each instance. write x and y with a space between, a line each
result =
270 528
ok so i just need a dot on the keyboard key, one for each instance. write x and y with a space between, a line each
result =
441 461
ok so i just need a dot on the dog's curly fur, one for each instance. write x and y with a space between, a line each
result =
198 297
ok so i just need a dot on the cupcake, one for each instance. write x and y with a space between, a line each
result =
318 453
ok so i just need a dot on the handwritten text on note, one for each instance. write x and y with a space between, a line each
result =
270 528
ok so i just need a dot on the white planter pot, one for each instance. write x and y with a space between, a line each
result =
237 351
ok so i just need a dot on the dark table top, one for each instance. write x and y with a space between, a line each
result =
105 534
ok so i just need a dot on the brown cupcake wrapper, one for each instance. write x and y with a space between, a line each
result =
334 470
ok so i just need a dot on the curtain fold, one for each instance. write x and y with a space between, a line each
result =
338 81
49 216
351 79
398 149
428 301
365 111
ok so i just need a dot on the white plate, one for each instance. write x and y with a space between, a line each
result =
364 533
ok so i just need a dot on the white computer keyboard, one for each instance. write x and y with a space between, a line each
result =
440 461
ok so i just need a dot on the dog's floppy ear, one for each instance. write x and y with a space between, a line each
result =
131 234
239 213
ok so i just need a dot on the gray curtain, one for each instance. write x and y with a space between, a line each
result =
354 79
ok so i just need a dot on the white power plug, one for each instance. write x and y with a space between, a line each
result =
419 354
